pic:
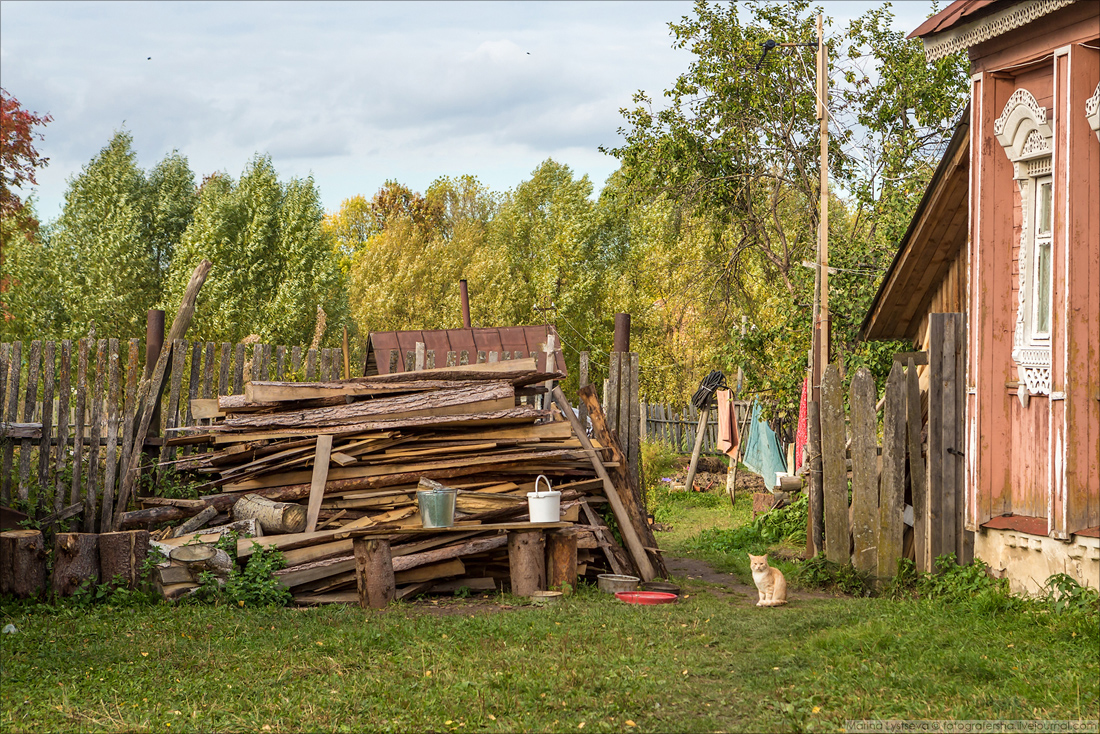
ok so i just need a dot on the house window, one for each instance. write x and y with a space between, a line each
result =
1041 280
1028 141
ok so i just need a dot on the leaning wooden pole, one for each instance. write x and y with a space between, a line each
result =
700 434
626 527
151 390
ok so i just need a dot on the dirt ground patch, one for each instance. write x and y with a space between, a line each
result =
727 584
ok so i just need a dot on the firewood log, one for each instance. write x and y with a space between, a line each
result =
122 555
276 518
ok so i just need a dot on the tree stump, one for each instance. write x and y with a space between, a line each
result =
561 560
276 518
123 554
75 560
374 572
22 563
527 561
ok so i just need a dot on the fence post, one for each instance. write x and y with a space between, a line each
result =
917 468
816 518
834 471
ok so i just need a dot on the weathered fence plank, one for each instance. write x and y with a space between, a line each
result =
129 407
864 421
111 471
280 363
64 389
834 471
91 486
171 418
613 390
917 468
947 479
892 490
34 363
634 455
311 365
45 447
15 370
936 540
78 419
238 369
223 369
816 515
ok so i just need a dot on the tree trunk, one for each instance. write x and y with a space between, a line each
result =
123 555
75 560
22 563
561 560
527 561
275 518
374 572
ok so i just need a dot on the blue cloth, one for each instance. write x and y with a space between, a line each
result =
763 455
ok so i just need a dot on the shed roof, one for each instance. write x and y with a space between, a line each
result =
936 234
512 339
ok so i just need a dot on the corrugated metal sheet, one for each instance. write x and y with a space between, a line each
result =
528 340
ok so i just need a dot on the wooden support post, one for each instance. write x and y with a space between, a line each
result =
22 563
834 471
320 476
347 361
816 515
582 381
527 561
75 560
421 355
700 434
374 572
561 560
864 420
892 489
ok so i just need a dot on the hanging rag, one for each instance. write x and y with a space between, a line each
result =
801 433
728 439
762 453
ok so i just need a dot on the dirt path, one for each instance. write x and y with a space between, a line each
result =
725 584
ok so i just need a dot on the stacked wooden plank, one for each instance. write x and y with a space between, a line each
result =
353 453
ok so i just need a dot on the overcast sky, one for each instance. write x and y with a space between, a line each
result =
352 93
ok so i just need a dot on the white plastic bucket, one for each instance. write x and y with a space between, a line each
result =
544 506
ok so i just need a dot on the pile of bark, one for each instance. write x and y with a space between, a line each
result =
309 468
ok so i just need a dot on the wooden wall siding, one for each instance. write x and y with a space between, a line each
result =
81 403
949 296
1029 455
1075 23
1078 415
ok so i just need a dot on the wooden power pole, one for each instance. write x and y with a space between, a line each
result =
823 221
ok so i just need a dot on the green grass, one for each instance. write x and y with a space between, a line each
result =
703 664
711 662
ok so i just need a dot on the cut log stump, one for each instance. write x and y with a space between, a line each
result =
527 561
561 561
374 572
122 555
22 563
75 560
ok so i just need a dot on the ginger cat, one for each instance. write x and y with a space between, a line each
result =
771 585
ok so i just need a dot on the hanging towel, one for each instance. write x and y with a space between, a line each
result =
728 439
762 453
801 433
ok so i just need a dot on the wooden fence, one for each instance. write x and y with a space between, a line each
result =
67 414
676 426
902 471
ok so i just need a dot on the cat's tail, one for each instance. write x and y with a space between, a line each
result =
773 603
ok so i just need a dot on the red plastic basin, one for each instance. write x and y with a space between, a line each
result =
646 597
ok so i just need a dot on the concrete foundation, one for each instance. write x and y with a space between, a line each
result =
1027 561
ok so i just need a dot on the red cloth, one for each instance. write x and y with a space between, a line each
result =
728 439
800 435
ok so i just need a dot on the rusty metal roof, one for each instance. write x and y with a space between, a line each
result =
515 342
960 11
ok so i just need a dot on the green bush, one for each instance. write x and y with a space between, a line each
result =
658 462
786 524
255 586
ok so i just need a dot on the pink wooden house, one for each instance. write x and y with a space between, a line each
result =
1032 298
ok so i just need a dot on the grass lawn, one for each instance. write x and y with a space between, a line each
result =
708 663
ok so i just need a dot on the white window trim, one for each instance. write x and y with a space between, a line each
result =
1027 137
1092 111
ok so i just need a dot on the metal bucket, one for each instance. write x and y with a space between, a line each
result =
437 507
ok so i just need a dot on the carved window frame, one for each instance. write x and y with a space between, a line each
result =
1028 140
1092 111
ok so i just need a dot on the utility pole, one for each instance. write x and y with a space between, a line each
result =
822 325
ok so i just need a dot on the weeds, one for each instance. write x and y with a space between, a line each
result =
255 586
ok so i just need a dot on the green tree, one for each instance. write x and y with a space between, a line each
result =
273 263
733 153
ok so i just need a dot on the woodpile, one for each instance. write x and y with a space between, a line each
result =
328 473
